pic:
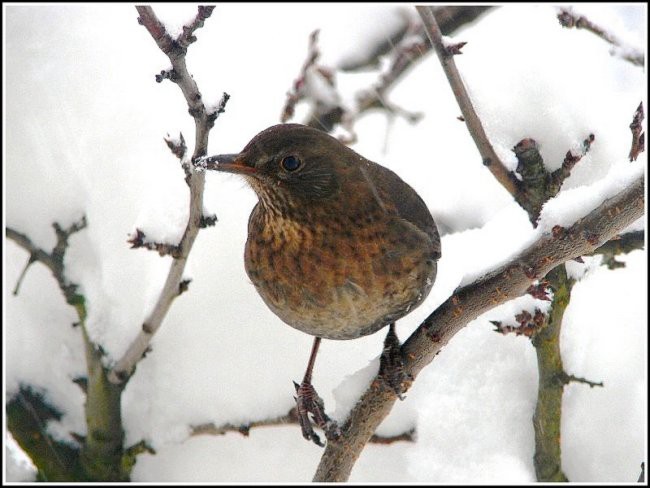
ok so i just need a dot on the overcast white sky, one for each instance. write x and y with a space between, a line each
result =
84 123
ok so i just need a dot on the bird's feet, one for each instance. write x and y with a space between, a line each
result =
391 365
308 401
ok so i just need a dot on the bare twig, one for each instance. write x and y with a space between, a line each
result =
53 260
474 125
469 302
569 19
204 120
291 418
570 160
638 136
404 49
569 378
138 240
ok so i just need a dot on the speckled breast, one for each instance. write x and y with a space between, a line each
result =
337 279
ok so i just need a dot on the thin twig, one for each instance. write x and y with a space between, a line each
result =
53 260
405 49
291 418
474 125
569 378
568 19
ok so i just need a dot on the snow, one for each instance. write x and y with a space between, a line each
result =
84 128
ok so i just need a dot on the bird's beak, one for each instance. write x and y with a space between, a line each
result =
230 163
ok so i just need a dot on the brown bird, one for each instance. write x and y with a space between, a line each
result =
338 246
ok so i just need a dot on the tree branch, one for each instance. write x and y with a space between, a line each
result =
568 19
469 302
547 419
204 120
100 456
291 418
474 125
405 49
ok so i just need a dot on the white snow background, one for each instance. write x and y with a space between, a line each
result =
84 123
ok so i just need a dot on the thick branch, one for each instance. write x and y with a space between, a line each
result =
474 125
204 120
100 456
27 416
468 303
547 419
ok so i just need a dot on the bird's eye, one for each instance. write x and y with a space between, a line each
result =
290 163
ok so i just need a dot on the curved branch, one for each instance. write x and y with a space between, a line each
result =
469 302
474 125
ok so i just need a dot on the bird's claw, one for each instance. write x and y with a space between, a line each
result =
391 366
308 401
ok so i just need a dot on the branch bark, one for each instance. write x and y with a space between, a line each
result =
100 455
204 121
547 419
469 302
474 125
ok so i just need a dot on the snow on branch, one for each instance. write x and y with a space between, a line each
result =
469 302
569 19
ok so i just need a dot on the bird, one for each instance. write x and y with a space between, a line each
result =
338 246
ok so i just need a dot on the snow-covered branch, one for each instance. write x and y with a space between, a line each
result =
569 19
469 302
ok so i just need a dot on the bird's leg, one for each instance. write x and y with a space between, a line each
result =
391 365
308 401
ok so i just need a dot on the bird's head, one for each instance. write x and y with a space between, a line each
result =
292 162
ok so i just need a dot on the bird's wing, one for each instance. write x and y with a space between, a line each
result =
408 204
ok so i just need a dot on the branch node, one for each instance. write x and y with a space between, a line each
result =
208 220
167 74
183 286
138 240
178 147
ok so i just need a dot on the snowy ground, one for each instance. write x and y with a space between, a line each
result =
84 126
